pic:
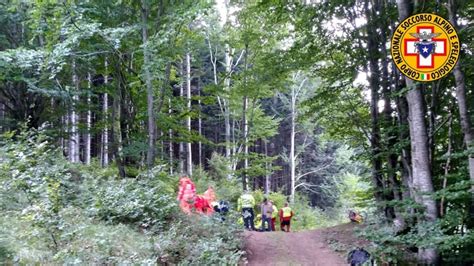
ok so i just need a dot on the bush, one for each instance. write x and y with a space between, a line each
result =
225 189
201 240
54 212
308 218
219 167
144 201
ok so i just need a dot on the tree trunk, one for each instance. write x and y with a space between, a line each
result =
404 134
463 106
372 47
189 154
87 148
268 167
117 128
448 161
245 124
419 149
223 101
390 123
2 117
199 125
65 141
170 132
74 137
292 156
228 69
181 144
105 134
421 161
149 89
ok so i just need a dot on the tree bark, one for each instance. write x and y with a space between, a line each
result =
105 134
466 124
373 54
199 124
2 117
117 125
268 167
421 162
149 89
292 156
88 142
228 69
245 123
181 144
189 154
170 132
74 137
404 134
419 149
448 161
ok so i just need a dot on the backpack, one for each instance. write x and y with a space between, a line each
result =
223 207
359 256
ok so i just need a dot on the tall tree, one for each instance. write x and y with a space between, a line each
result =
149 87
463 106
189 151
88 138
104 148
422 179
74 121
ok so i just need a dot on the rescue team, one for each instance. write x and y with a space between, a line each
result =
269 213
207 204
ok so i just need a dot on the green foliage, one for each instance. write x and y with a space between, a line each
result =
202 240
58 213
219 167
307 218
225 188
140 201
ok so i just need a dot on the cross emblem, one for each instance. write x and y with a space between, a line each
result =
424 57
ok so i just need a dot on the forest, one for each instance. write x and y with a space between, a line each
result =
104 105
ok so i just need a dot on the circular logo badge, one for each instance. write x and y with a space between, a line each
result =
425 47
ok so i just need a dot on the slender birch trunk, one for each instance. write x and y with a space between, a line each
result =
74 137
170 133
292 156
87 155
64 132
181 144
245 123
189 155
105 134
268 167
228 69
200 127
149 89
224 101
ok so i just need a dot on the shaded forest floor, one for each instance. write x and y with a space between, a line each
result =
328 246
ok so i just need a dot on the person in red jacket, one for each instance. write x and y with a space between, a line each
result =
186 194
285 217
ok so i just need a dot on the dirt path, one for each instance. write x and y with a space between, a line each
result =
295 248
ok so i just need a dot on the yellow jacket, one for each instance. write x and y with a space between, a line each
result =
275 212
245 201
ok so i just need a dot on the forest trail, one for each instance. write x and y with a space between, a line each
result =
297 248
